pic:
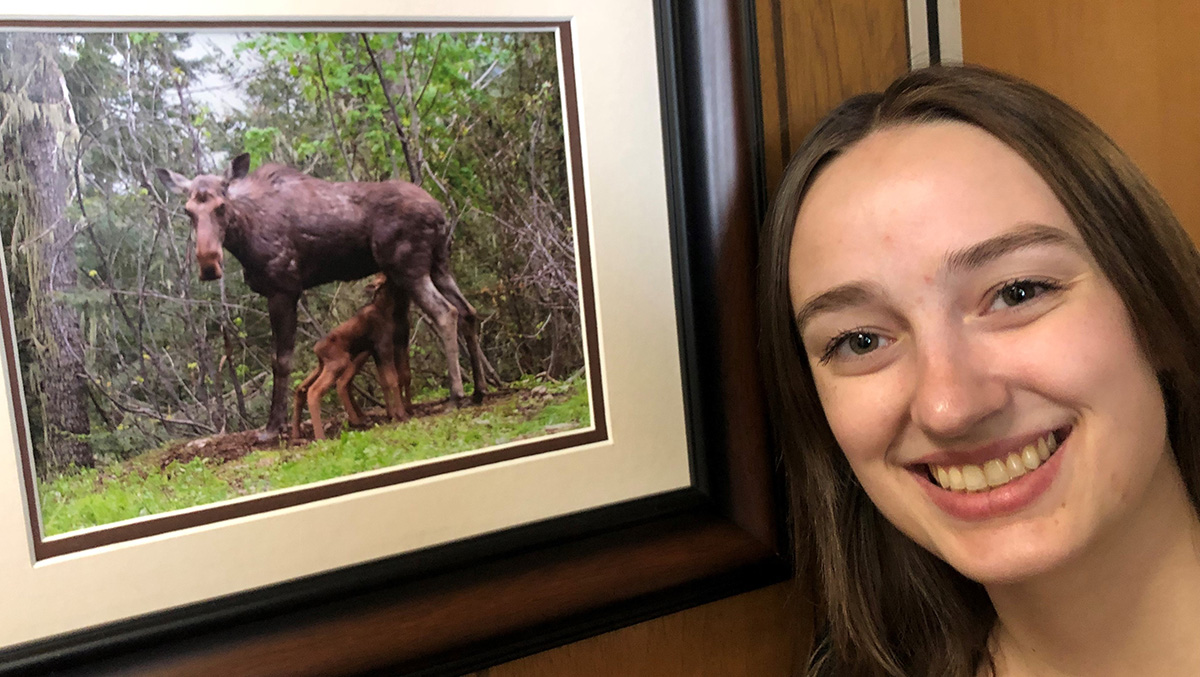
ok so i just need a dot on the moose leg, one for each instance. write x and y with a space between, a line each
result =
445 323
468 326
404 376
400 346
282 309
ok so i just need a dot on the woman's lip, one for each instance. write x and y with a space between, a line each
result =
994 451
1003 500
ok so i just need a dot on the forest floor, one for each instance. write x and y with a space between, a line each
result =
189 473
232 446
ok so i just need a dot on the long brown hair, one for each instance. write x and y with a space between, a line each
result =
887 606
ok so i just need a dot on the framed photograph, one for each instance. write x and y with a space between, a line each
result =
527 226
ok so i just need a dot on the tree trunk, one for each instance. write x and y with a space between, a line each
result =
45 126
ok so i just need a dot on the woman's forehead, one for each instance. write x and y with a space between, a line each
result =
911 193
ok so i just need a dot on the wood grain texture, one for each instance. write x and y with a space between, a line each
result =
815 54
400 631
772 89
1132 67
759 634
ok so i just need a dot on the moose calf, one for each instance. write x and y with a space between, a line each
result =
372 332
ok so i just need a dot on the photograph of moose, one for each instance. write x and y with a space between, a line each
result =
243 262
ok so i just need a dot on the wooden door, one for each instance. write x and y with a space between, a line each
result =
1132 67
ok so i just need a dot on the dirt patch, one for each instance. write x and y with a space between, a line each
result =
232 446
227 447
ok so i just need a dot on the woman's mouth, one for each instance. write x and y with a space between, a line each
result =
971 478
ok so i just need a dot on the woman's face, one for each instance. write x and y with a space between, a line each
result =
956 323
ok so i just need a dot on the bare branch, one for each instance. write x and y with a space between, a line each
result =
414 172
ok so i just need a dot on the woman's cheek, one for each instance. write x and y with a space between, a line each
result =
1079 354
865 413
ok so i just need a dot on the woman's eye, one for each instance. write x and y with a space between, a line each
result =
1020 291
862 343
851 344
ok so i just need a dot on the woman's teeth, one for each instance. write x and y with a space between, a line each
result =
996 472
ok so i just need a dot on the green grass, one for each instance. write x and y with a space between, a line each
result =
92 497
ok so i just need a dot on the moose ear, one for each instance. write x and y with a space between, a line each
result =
176 183
238 168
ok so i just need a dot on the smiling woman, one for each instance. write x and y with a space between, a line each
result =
980 315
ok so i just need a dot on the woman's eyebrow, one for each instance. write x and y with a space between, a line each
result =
861 292
1031 235
842 296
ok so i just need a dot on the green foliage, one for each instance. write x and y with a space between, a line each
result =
260 143
138 487
90 497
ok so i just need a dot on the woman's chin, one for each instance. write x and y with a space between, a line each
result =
1012 561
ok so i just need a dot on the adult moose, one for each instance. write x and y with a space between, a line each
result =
291 231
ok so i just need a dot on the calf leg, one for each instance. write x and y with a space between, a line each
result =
301 393
353 413
282 309
332 369
385 365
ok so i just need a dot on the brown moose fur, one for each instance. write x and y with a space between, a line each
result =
341 354
291 231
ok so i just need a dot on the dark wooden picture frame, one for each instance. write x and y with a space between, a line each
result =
463 606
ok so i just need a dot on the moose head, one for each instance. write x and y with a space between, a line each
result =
208 208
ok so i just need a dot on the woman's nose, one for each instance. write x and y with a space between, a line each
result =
957 388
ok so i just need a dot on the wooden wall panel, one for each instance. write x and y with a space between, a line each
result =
1133 67
816 53
758 634
813 54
